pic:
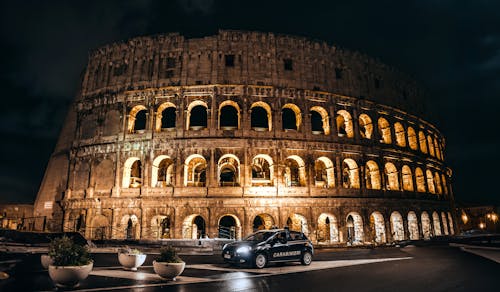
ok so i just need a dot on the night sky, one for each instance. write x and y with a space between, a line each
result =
451 47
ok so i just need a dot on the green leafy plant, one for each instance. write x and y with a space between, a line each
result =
168 255
65 252
129 250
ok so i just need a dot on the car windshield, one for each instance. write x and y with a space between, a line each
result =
259 236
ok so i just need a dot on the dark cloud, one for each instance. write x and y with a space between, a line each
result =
452 47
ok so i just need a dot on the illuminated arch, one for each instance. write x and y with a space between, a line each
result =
344 124
430 145
445 223
400 134
99 227
436 149
191 106
365 126
228 170
229 227
295 171
384 130
413 226
436 223
392 176
132 174
194 227
445 186
422 141
130 228
324 118
162 173
262 170
412 139
161 226
420 179
450 222
233 104
407 178
354 224
327 231
262 221
426 225
430 181
296 111
195 171
372 175
160 115
324 175
132 117
397 226
297 222
267 108
437 182
377 227
350 174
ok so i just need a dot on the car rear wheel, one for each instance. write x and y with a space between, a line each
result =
260 261
306 258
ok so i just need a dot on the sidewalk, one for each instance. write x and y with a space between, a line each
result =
491 253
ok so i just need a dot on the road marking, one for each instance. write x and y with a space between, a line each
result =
270 271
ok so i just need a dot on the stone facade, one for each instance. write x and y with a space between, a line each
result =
219 136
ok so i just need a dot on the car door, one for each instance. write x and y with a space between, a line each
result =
295 245
279 248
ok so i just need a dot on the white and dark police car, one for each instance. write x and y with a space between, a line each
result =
275 245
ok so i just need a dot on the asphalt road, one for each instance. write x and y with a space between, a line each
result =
430 268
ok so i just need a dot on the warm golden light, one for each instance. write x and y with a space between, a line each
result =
465 218
482 225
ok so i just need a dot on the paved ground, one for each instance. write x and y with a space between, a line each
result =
435 268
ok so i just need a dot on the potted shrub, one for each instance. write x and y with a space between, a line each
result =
46 261
168 265
72 262
131 258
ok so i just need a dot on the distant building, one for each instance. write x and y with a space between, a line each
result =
219 136
16 216
478 217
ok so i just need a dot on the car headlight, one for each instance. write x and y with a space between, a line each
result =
243 249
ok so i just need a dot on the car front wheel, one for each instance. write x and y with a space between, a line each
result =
306 258
260 261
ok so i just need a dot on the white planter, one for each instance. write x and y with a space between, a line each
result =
168 270
131 261
69 276
46 261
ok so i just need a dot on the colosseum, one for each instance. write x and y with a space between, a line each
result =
183 138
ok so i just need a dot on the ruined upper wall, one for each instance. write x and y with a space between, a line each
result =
257 58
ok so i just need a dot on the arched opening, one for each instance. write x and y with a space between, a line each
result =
261 118
291 117
392 177
99 228
430 145
377 227
407 178
365 126
324 173
430 181
229 171
262 221
420 179
130 227
354 224
193 227
229 115
350 174
437 182
295 171
327 231
412 138
262 170
197 115
372 176
426 225
400 134
436 148
397 226
344 124
160 227
445 223
132 173
137 119
229 227
413 226
195 171
384 131
162 174
422 141
297 222
320 123
165 117
436 223
450 222
443 182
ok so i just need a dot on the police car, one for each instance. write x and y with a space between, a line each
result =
276 245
